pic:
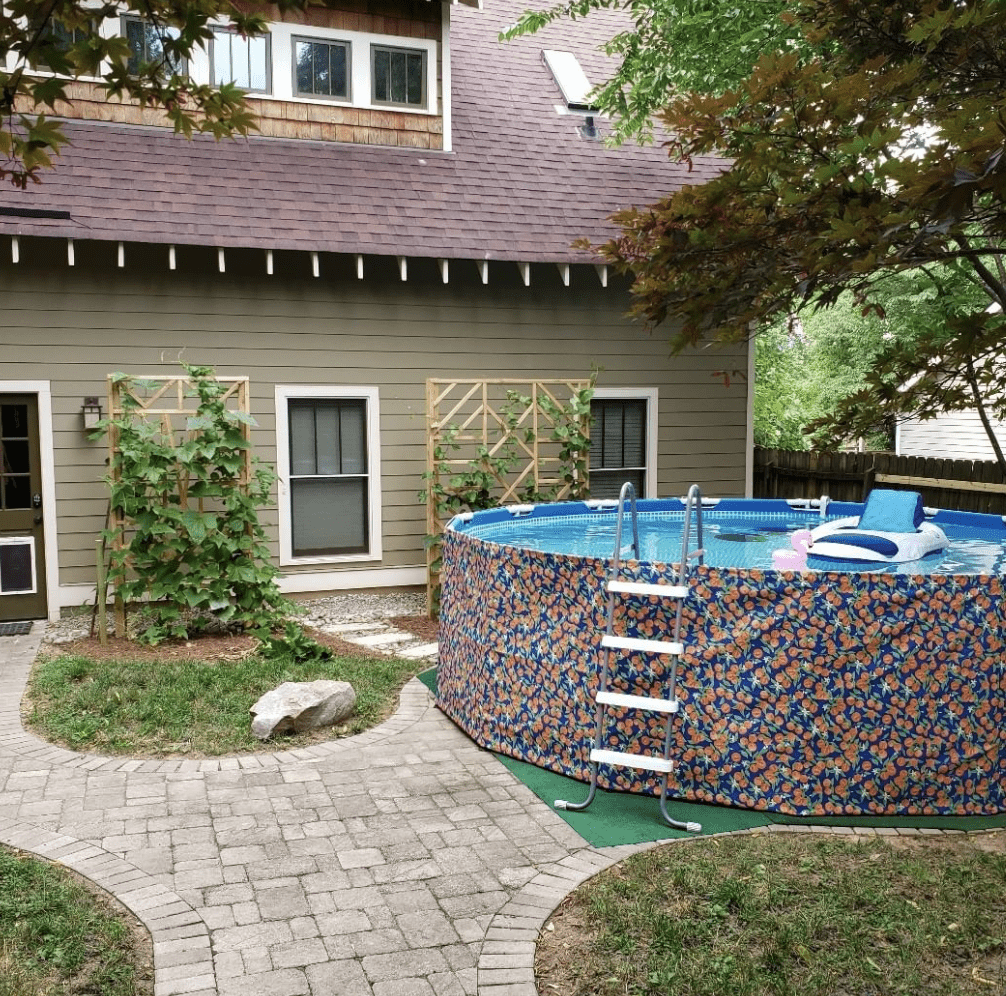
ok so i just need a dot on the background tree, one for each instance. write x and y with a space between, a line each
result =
675 46
881 154
46 44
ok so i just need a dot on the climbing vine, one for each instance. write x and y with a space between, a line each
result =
186 536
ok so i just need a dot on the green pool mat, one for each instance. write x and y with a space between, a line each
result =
624 818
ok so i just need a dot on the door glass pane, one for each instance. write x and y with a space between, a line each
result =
302 447
326 421
16 492
14 421
329 516
15 457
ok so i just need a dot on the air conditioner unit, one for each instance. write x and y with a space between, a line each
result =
17 565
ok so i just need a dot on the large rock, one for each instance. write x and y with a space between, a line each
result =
302 705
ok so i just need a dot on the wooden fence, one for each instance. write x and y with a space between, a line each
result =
968 485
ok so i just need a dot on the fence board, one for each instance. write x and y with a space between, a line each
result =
972 486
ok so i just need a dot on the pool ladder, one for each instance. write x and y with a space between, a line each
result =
606 699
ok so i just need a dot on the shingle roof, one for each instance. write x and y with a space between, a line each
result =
521 183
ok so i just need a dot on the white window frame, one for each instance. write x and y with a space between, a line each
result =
373 422
651 396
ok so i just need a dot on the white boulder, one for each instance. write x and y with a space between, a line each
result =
302 705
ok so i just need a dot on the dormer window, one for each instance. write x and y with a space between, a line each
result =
321 68
146 44
399 75
245 61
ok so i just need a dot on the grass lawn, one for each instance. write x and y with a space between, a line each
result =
197 708
787 915
58 938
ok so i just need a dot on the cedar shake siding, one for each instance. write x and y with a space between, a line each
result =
75 326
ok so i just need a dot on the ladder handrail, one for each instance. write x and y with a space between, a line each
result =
598 755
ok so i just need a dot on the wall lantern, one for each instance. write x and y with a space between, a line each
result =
90 411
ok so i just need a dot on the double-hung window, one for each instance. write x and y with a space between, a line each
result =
321 68
622 442
398 76
328 456
244 61
146 44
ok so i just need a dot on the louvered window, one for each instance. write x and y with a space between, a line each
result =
617 446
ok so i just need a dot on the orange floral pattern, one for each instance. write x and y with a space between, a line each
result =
805 694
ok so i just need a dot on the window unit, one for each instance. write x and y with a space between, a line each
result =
623 441
398 76
55 38
146 43
246 62
322 68
328 460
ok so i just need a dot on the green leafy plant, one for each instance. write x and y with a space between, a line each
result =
191 544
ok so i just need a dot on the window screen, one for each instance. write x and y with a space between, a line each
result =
617 446
329 476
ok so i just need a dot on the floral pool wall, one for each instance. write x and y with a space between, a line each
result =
802 693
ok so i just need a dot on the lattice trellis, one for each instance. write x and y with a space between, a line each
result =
172 400
475 421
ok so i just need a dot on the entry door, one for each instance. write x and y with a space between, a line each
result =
22 545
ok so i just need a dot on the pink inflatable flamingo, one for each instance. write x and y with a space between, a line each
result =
795 559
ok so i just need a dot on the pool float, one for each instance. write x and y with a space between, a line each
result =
892 529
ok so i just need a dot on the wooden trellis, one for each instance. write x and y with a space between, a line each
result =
476 421
172 400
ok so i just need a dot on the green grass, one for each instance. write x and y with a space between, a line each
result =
56 938
191 707
782 915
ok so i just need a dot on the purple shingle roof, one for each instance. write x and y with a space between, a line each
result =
520 184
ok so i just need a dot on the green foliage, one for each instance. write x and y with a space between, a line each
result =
674 46
55 937
64 37
880 154
192 544
294 643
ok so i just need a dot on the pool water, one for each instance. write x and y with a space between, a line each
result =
731 539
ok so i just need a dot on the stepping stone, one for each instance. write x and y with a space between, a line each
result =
383 639
420 650
358 627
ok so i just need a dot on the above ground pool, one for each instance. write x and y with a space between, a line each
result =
815 692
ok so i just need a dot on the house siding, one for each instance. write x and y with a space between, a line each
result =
73 326
953 436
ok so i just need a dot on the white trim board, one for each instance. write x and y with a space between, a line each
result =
42 389
284 392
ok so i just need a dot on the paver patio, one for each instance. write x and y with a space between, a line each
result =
404 861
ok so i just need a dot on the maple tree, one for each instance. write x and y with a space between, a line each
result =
881 153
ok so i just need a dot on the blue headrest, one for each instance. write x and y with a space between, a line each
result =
892 511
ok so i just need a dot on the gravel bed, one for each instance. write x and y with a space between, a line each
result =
345 607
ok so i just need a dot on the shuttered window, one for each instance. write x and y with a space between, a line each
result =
617 446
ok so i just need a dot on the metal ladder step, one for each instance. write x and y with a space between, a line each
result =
643 588
646 646
640 761
637 702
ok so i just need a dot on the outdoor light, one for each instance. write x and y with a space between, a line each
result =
90 410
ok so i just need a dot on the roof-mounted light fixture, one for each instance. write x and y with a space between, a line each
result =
571 80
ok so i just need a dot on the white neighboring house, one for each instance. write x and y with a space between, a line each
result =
952 436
